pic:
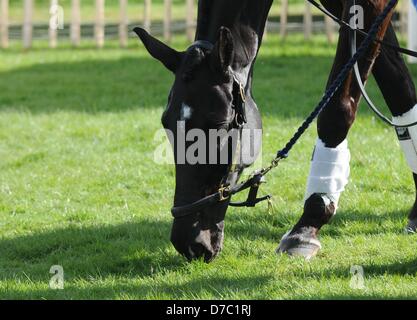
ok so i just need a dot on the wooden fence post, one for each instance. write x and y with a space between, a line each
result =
147 19
167 20
53 27
27 23
283 18
404 17
99 25
75 23
265 36
123 25
4 23
190 20
308 21
328 24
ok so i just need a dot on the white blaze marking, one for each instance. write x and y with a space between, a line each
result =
186 112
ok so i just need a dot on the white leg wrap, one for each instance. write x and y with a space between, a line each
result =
408 137
329 172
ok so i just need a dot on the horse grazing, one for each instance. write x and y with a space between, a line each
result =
212 90
205 95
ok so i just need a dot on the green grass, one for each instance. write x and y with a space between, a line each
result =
78 186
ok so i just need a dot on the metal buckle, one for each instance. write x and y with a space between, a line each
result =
242 92
222 191
241 87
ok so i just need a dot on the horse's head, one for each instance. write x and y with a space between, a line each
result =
202 97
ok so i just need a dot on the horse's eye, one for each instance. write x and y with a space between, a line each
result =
219 125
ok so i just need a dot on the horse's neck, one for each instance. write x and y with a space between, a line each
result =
245 18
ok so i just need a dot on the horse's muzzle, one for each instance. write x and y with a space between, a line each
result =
194 241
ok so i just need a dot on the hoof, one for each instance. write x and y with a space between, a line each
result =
411 227
299 244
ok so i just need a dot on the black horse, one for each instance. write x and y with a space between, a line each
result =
213 90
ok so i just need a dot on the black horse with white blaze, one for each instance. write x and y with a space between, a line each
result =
213 90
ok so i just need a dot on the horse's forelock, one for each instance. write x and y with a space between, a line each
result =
194 57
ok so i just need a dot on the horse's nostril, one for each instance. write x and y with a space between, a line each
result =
194 249
193 242
198 251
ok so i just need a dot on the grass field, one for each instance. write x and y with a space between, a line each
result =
79 188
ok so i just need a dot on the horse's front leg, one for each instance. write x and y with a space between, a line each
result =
329 170
396 84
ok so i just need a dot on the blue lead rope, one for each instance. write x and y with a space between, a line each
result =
330 92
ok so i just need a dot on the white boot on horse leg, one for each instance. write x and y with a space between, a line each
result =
328 177
408 142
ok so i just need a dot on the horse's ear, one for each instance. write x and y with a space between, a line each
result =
170 58
223 52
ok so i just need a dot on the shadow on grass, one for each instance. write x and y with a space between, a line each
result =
87 86
400 267
138 248
99 85
371 223
283 86
214 287
261 225
101 258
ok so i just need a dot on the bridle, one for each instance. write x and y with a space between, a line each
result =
228 186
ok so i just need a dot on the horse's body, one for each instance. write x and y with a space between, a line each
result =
229 34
